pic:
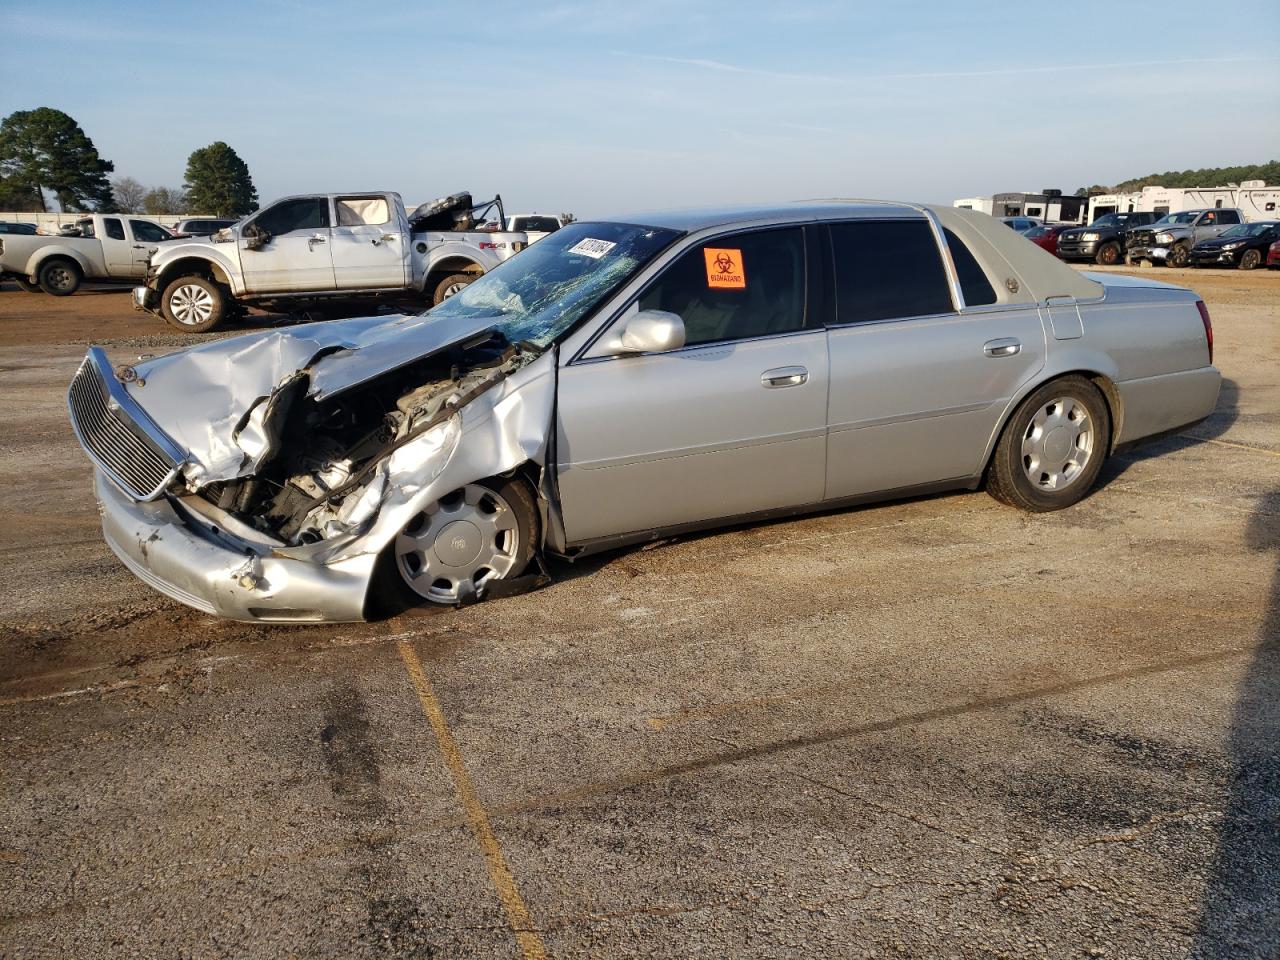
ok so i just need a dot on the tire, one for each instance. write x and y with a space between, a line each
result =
1179 255
428 560
194 304
59 277
25 284
1250 259
449 286
1109 254
1063 460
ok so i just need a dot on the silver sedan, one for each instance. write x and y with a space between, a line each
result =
623 380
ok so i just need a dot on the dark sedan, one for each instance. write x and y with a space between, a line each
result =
1244 245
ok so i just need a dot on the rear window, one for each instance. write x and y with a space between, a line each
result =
114 228
974 285
537 224
887 270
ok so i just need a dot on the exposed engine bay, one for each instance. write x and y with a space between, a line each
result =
323 453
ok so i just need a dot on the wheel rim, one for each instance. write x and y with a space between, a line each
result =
1109 255
59 278
452 289
1057 444
191 304
458 544
1179 257
1250 259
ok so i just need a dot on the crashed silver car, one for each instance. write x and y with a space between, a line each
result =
624 380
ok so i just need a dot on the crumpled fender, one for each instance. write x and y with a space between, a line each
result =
497 432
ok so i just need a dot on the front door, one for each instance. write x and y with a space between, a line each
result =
146 235
917 388
370 247
731 424
296 256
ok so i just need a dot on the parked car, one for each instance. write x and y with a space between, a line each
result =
1046 236
621 381
201 227
1022 224
534 225
18 228
103 247
1169 240
325 247
1273 256
1102 241
1244 245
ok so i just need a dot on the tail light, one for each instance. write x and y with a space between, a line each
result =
1208 326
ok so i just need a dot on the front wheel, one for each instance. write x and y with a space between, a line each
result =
1052 448
194 304
484 532
1110 254
1250 259
1179 255
450 286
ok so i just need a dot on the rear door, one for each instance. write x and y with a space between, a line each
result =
370 244
917 385
296 256
146 236
731 424
117 251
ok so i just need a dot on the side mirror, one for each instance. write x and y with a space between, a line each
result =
649 331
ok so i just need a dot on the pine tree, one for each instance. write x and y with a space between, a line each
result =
46 150
218 183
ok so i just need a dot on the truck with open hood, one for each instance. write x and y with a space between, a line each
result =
306 253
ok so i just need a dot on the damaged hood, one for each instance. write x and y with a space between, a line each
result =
201 396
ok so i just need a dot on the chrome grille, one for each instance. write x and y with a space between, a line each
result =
114 440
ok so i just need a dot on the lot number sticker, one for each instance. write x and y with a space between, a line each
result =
595 249
725 270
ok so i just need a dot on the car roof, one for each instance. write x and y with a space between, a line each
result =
690 220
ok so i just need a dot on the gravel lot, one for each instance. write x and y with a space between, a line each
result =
933 728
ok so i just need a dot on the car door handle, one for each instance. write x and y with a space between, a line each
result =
385 238
312 241
784 377
1005 347
139 246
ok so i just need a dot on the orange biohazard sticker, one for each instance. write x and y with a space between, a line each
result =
725 270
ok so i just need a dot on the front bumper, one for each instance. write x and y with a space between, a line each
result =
144 298
1077 249
1213 256
192 561
1149 253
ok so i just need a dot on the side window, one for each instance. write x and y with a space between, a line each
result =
1209 219
886 270
974 285
1228 216
86 228
362 211
745 285
307 213
114 228
148 232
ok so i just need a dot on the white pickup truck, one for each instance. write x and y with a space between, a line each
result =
303 253
106 247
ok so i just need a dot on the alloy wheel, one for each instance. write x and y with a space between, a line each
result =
191 304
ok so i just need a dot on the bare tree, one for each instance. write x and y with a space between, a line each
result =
163 200
129 193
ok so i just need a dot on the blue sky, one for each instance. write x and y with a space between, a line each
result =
599 107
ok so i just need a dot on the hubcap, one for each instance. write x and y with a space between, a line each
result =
59 278
1057 444
452 289
191 304
458 544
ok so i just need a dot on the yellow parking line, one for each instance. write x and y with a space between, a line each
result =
1228 443
517 913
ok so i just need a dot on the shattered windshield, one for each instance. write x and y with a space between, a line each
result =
539 295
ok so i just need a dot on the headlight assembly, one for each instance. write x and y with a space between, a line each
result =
1164 238
1089 236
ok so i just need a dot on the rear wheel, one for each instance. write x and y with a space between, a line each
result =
1052 448
1110 254
1250 259
194 304
484 532
59 278
451 286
